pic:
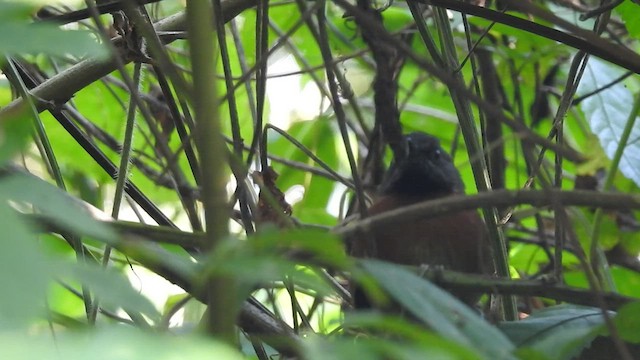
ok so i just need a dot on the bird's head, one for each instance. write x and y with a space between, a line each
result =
424 170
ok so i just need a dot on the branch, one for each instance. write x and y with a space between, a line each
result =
541 288
498 198
382 35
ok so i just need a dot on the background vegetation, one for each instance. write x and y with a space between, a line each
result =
127 128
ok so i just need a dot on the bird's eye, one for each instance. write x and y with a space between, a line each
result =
435 155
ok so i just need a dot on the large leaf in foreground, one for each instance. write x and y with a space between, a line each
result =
607 112
439 310
558 332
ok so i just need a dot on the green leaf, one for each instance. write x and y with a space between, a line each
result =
627 281
627 322
54 204
628 11
424 345
12 10
319 136
272 257
24 271
438 309
607 112
112 343
558 332
113 290
396 18
319 245
15 131
20 36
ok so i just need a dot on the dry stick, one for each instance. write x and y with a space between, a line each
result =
101 159
597 254
578 66
599 10
479 167
82 253
468 281
388 61
578 99
325 171
123 172
527 151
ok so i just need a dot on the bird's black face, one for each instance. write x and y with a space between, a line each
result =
425 170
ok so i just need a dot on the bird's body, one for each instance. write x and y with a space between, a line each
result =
453 241
456 241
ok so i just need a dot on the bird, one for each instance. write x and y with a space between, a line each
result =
457 241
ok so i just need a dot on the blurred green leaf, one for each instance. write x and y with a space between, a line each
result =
24 271
29 272
20 36
15 131
627 322
276 255
410 333
54 204
442 312
317 245
420 345
112 289
12 10
112 343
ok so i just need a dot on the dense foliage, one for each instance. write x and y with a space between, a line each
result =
178 179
